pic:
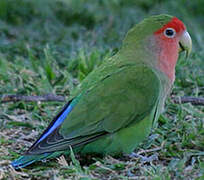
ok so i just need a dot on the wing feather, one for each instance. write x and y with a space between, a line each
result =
126 95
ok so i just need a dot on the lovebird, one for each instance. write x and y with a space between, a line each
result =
116 105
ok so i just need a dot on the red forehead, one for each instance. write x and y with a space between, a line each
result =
175 23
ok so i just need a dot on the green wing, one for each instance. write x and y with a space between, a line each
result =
114 102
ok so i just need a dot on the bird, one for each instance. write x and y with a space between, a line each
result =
115 107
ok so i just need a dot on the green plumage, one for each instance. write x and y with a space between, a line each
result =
115 106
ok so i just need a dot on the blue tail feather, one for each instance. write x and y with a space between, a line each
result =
26 160
31 157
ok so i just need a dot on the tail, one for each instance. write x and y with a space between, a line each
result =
26 160
54 126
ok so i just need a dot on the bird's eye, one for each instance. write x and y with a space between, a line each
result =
169 32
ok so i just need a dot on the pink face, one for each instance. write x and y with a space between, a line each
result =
167 39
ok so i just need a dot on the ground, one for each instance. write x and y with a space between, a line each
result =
50 46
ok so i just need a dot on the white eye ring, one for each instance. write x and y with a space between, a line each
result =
169 32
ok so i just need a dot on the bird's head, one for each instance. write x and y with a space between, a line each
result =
159 39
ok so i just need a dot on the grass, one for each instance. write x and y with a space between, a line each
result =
50 46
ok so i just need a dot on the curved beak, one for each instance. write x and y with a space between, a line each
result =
185 43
